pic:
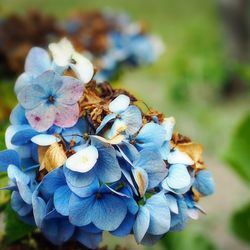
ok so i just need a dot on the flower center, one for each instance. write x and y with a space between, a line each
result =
51 99
98 196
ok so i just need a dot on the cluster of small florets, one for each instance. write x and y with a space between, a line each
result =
83 158
111 40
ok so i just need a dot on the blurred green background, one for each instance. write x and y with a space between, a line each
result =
203 80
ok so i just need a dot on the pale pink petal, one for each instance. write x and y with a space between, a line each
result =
67 116
70 92
42 117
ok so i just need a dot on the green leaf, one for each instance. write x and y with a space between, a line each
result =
15 229
240 223
4 195
237 155
187 240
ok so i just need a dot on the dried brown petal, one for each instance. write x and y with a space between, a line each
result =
178 139
194 150
51 157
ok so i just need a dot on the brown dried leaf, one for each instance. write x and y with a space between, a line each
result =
194 150
51 157
179 139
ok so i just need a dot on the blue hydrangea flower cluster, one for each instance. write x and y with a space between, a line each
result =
124 42
83 158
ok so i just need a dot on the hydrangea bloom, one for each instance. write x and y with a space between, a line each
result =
83 158
113 41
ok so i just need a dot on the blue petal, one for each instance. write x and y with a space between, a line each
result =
25 192
23 151
151 162
91 228
16 175
126 227
165 150
141 224
172 203
105 121
179 221
86 190
61 200
80 210
132 206
132 117
23 81
52 181
31 96
159 214
204 183
8 157
37 61
129 152
58 230
108 212
119 104
77 179
107 167
50 81
17 116
178 177
18 204
90 240
80 128
128 178
151 135
24 136
39 208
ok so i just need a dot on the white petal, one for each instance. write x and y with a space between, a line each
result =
84 160
119 104
62 52
82 67
44 140
178 157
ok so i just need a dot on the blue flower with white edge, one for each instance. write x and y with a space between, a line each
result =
97 160
153 220
125 118
52 100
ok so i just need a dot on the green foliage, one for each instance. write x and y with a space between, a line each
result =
4 195
240 223
187 240
15 229
237 154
